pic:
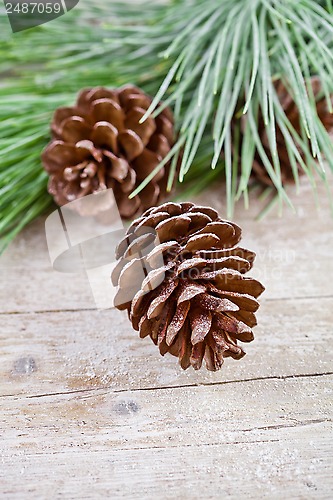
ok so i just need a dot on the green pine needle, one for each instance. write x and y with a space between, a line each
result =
210 60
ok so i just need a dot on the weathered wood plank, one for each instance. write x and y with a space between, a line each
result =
28 282
89 410
241 440
294 258
60 352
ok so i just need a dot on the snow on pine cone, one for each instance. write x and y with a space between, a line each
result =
192 299
100 144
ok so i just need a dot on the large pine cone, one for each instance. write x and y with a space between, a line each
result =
196 303
292 112
100 143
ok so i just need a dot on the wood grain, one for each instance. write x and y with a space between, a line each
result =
70 351
88 410
294 258
253 439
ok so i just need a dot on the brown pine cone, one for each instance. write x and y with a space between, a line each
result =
292 112
100 143
194 302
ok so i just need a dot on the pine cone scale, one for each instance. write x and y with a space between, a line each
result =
157 304
201 322
190 290
131 144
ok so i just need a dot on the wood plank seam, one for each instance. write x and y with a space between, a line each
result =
87 309
109 390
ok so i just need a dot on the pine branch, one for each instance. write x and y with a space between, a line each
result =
210 60
243 58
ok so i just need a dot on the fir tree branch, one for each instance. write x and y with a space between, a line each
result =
210 60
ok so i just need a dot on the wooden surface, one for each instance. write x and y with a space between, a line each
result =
88 410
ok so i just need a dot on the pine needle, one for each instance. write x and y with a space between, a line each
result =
208 59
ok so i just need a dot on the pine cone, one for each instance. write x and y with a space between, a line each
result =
292 112
100 143
196 304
